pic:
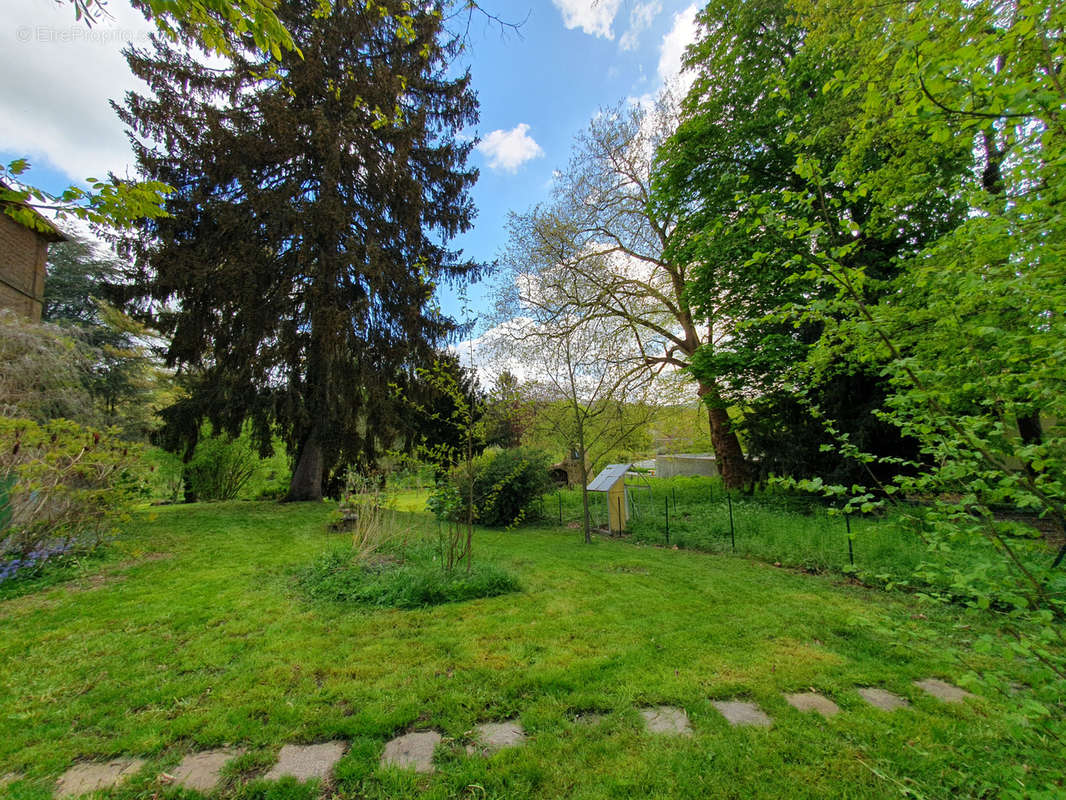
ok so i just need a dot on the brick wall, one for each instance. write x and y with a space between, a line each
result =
22 258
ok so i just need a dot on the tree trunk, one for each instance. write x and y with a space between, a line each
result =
306 483
728 456
584 473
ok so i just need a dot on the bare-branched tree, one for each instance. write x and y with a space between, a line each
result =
598 248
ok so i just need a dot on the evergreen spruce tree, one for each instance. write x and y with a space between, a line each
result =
315 197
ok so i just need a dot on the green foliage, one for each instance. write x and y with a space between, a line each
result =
125 380
292 322
43 372
508 413
165 475
221 467
972 331
615 431
507 485
342 576
65 489
913 217
678 429
730 172
114 202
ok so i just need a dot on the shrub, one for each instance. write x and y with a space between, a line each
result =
221 467
506 487
43 372
164 478
63 489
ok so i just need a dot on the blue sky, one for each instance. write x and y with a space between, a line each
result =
537 89
554 79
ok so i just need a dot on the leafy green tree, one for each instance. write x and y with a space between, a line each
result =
948 128
508 413
314 197
439 407
729 176
77 279
126 381
972 328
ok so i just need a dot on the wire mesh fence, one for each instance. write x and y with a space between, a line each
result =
699 514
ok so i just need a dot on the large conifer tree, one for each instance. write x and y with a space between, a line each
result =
314 200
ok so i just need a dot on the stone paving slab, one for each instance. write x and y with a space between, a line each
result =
202 771
307 761
412 750
590 718
495 736
740 712
84 778
879 698
942 690
812 701
666 720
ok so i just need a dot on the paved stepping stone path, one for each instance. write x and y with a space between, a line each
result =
666 720
84 778
879 698
739 712
305 762
202 771
811 701
943 691
412 750
494 736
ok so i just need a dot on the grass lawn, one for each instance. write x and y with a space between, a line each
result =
886 549
193 636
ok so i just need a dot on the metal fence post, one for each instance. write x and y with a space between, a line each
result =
668 520
732 527
851 552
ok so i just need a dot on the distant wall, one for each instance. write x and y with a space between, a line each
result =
667 466
22 258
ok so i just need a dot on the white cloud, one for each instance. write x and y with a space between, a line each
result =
494 352
594 17
508 150
640 19
683 33
54 106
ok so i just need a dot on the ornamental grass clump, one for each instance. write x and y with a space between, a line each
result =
390 563
64 490
368 514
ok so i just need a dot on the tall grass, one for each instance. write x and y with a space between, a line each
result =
886 549
368 514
